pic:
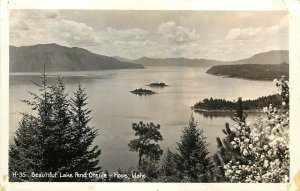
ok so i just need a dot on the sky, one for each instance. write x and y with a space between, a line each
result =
217 35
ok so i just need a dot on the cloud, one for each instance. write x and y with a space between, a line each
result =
164 39
243 34
49 27
254 33
175 34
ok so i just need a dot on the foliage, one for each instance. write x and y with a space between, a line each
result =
86 155
263 151
168 165
191 160
168 169
142 91
251 71
146 143
150 168
226 105
56 139
158 84
27 150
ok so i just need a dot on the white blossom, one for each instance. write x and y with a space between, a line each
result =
266 144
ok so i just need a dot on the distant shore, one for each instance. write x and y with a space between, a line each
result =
226 111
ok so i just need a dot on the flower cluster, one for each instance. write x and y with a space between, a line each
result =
283 87
263 149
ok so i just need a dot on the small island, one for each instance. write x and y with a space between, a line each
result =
142 91
222 105
158 85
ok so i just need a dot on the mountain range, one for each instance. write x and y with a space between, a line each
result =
271 57
60 58
175 62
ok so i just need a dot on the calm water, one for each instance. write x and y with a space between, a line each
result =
115 108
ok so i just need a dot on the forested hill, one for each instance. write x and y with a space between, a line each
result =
251 71
176 62
273 57
226 105
61 58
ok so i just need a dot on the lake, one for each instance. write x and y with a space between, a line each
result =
115 108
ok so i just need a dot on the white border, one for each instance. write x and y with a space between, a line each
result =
293 6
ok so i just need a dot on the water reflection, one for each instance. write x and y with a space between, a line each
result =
221 114
214 114
67 78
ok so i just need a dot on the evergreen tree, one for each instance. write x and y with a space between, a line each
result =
150 168
146 143
27 150
192 161
60 135
168 165
38 127
168 169
240 116
52 140
86 155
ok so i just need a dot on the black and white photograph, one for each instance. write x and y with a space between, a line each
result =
160 96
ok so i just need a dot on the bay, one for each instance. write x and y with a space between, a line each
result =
115 108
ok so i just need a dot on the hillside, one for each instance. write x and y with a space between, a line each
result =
271 57
61 58
227 105
251 71
176 62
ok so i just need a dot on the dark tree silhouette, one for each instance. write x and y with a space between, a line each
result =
168 165
27 151
192 161
86 155
53 140
146 143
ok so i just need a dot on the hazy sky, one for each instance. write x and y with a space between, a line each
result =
220 35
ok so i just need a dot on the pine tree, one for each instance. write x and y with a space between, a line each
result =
192 161
86 156
58 141
27 150
54 140
168 165
148 149
30 140
148 134
239 116
168 169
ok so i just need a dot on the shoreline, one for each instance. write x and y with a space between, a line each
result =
226 111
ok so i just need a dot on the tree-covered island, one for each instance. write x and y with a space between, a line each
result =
142 91
158 85
222 105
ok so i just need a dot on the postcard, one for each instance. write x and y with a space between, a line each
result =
149 96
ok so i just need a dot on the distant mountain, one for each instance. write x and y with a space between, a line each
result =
176 62
123 59
271 57
251 71
61 58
